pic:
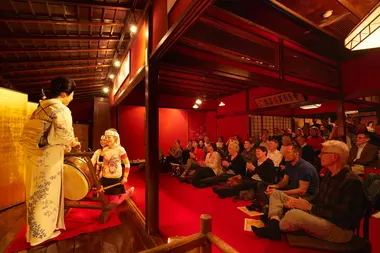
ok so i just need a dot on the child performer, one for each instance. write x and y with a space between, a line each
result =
95 157
115 161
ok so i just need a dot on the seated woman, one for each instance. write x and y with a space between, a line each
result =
211 167
234 165
175 154
262 171
196 156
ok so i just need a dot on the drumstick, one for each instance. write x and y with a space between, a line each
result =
109 187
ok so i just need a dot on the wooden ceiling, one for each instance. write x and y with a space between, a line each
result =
42 39
346 14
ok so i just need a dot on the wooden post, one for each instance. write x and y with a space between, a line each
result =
378 116
205 229
151 130
341 121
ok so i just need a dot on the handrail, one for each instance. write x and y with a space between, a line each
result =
203 240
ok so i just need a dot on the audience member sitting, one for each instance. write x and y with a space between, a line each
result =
206 140
274 154
332 215
249 153
286 141
375 137
264 141
315 140
261 171
370 126
189 145
175 153
301 178
232 166
299 132
307 152
196 156
277 135
372 189
363 154
315 123
306 130
328 126
201 145
211 167
220 143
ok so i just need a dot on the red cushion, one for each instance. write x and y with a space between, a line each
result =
371 170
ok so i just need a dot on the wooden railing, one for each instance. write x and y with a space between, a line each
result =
202 240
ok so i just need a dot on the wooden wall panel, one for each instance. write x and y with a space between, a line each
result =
13 111
82 132
102 116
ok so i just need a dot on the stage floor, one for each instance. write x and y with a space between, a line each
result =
181 206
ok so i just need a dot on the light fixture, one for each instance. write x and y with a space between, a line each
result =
314 106
198 101
133 29
327 14
367 33
221 103
117 63
112 76
106 89
351 112
195 106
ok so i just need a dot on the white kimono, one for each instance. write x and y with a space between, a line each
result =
46 135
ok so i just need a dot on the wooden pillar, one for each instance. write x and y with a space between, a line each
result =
341 121
151 136
378 116
205 229
102 120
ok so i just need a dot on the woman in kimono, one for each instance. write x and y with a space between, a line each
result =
46 137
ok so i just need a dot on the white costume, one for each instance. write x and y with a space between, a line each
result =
46 135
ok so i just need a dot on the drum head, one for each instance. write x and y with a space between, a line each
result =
75 183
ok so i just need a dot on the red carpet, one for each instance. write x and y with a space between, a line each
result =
181 206
77 221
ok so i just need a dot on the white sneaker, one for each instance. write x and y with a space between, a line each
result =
376 215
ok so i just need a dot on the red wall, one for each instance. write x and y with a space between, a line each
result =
197 124
211 125
361 76
228 122
174 124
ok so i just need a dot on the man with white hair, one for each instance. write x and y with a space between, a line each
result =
335 211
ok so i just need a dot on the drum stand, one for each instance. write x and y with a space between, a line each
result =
105 206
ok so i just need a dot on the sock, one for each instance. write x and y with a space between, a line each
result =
274 232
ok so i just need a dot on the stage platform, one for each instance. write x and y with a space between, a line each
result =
181 206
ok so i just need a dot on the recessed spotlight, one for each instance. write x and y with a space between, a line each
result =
99 63
112 76
117 63
195 106
198 101
106 90
327 14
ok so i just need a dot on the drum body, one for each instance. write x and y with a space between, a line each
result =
77 180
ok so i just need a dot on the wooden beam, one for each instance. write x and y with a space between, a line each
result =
58 22
54 68
193 84
57 38
20 51
61 61
46 84
351 8
73 76
78 88
104 5
151 133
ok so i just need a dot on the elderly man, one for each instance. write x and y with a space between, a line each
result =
335 211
